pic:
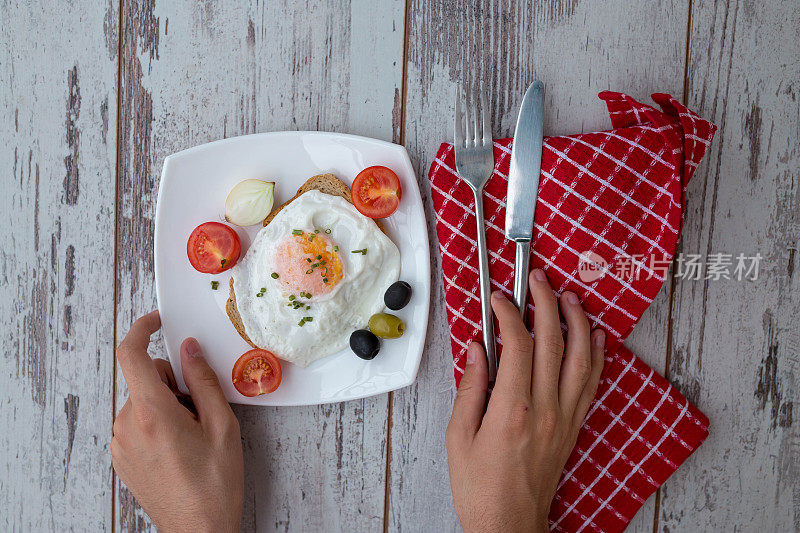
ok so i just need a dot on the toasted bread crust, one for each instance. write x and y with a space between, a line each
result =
327 183
236 318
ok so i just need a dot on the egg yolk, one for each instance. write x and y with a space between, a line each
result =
309 263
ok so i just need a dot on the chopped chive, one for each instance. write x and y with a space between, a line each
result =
362 251
328 231
297 232
274 275
309 271
316 230
302 321
259 295
222 262
308 318
263 289
308 259
214 285
291 297
314 265
322 262
335 248
310 237
325 280
319 257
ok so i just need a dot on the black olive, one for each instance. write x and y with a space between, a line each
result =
397 295
364 344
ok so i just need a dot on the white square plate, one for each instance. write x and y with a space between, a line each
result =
194 185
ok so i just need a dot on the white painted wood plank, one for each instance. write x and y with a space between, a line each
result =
57 140
578 49
194 73
736 343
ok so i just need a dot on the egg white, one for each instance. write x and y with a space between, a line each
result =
272 324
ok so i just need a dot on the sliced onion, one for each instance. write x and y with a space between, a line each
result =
249 202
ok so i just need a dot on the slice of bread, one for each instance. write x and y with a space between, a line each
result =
327 183
236 318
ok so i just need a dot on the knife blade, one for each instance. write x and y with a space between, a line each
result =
523 185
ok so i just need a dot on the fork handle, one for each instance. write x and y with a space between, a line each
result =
487 319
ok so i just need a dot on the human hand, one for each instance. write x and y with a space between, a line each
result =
505 463
185 469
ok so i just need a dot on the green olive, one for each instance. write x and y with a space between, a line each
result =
386 326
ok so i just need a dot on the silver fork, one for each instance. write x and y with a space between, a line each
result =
474 164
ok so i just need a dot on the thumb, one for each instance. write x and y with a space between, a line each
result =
207 396
470 402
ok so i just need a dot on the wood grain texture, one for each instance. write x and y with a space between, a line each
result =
196 72
736 343
192 72
57 158
578 49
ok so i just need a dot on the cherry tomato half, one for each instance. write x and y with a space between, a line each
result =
256 372
376 192
213 248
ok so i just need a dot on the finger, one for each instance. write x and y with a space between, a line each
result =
137 366
116 458
514 371
212 407
577 365
168 377
121 421
164 369
139 334
547 340
590 390
470 401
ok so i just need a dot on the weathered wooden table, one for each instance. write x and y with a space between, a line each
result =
95 94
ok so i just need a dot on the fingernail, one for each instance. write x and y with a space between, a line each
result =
193 347
572 298
497 295
472 353
539 274
600 338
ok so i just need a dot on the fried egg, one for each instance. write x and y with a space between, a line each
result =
312 276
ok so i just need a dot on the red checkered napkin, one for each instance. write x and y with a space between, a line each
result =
614 199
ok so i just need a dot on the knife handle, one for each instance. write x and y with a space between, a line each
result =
487 320
521 276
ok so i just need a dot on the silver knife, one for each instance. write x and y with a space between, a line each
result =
523 185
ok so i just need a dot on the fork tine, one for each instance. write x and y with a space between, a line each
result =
476 117
468 127
459 124
487 123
